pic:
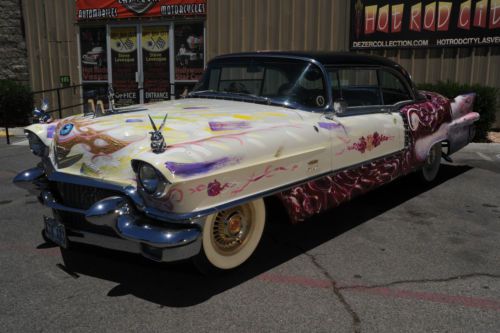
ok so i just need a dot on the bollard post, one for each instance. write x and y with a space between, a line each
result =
59 102
7 134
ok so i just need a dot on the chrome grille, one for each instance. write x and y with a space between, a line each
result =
80 196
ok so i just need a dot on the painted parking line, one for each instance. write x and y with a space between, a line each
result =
466 301
484 156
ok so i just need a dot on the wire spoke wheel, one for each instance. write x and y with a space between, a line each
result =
231 236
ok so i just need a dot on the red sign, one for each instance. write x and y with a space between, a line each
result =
90 10
424 23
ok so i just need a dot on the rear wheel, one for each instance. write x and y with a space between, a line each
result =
231 236
431 166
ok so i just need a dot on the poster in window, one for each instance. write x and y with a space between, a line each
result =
94 57
155 55
189 50
124 65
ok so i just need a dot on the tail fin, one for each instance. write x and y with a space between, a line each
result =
462 104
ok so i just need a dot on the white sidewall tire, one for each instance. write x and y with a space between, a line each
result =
225 262
430 171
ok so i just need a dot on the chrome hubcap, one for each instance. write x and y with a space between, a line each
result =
231 229
432 157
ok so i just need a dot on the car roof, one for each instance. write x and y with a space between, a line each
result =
325 58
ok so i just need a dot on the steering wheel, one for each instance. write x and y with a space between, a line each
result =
237 87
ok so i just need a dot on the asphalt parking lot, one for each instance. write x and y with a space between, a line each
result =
405 258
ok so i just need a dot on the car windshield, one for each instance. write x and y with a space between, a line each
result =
295 84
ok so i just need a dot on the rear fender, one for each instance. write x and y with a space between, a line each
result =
461 130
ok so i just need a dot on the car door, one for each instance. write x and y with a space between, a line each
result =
367 129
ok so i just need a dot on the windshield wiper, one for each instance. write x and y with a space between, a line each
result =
197 92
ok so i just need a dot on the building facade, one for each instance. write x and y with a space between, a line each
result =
14 59
60 38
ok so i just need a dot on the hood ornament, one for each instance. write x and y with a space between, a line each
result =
41 114
158 144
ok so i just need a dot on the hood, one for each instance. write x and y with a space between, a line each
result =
198 132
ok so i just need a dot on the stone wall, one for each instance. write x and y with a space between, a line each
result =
13 55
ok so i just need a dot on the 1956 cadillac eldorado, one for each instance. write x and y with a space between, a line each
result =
189 178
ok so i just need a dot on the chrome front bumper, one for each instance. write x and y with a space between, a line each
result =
135 231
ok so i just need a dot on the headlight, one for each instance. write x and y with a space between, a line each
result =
36 145
150 179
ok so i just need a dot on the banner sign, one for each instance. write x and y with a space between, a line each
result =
124 65
94 56
90 10
189 51
155 57
382 24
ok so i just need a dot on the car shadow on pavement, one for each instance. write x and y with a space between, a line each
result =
180 285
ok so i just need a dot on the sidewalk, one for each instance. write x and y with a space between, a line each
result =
13 131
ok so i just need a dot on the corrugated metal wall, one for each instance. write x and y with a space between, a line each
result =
323 25
248 25
51 39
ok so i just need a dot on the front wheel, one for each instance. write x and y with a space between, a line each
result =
431 166
231 236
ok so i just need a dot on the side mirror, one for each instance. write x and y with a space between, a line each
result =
339 106
45 105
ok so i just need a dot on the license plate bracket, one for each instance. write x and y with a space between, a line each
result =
55 231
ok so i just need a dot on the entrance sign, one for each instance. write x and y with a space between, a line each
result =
413 24
155 58
91 10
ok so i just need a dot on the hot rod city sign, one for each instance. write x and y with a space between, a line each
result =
87 10
397 23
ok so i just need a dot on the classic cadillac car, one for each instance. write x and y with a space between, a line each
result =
190 178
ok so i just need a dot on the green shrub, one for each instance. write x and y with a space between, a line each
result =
485 104
16 103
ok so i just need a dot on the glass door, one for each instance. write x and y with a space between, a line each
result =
124 69
155 69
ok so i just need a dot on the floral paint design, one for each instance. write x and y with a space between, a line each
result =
215 188
426 123
268 172
369 143
328 192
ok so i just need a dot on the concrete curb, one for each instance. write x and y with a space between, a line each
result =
14 131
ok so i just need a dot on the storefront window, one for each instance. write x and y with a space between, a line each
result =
155 57
189 51
94 56
124 65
